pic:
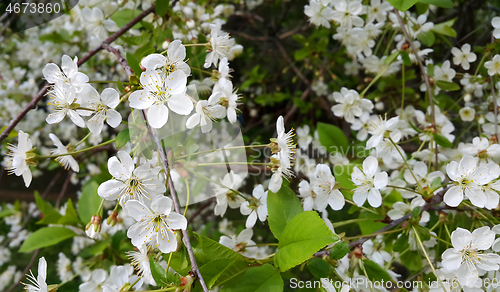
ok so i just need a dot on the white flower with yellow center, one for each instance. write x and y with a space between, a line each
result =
69 74
63 99
493 66
155 226
160 95
38 284
207 111
467 254
369 182
173 61
103 108
130 183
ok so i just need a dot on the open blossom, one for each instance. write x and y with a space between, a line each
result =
466 255
155 226
160 95
239 243
324 190
130 182
121 278
68 76
423 178
38 284
463 56
226 195
379 127
103 108
96 24
140 260
350 104
220 45
97 279
286 145
482 149
469 179
319 13
62 98
67 161
207 111
493 66
255 207
229 97
377 10
369 182
17 160
173 61
495 22
346 13
281 168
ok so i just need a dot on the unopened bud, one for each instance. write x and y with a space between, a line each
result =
94 227
186 284
112 218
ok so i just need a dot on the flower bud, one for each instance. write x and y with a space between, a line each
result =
94 227
112 219
186 284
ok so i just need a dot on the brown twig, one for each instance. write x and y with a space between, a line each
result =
32 261
63 190
166 167
294 107
119 57
82 60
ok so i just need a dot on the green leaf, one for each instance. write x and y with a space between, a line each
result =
299 38
447 85
375 272
122 17
442 140
318 267
402 5
428 38
445 28
439 3
134 63
370 226
180 260
406 58
339 250
89 202
162 7
304 235
301 54
343 175
391 58
259 279
282 207
415 213
12 133
46 236
412 260
445 102
122 138
50 214
332 138
7 212
71 217
158 272
401 243
221 271
216 251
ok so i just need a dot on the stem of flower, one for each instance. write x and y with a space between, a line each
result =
361 207
210 180
84 138
187 196
406 163
427 257
227 148
75 152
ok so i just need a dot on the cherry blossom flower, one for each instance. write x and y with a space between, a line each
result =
350 104
229 98
255 207
346 13
482 149
62 98
463 56
140 260
465 257
173 61
160 95
423 178
207 111
130 182
304 139
493 66
67 161
319 13
17 160
119 277
220 45
68 76
369 182
467 114
239 243
324 188
285 144
155 226
495 22
281 168
103 108
38 284
225 193
377 10
468 178
379 128
96 24
96 282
